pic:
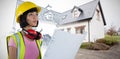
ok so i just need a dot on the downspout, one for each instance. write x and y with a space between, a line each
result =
88 30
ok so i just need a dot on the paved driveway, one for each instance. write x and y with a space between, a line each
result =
112 53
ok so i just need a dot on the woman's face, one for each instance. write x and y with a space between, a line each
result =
32 18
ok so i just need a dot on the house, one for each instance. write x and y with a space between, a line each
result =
88 18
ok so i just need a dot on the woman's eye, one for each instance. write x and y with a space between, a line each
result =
37 14
30 14
33 14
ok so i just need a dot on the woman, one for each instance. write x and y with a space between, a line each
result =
25 44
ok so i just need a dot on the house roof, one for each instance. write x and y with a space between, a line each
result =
87 14
56 16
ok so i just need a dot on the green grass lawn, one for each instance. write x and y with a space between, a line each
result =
113 37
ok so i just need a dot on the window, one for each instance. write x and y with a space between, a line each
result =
80 29
64 17
48 15
68 29
76 13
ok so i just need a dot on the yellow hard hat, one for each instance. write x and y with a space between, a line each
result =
24 7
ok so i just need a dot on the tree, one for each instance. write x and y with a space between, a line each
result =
111 31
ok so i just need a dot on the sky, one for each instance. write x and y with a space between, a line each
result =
111 10
59 5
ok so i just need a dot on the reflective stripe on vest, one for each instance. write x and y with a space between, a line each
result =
18 39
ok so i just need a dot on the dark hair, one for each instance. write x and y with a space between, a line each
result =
22 18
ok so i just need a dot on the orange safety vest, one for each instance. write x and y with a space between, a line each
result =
18 39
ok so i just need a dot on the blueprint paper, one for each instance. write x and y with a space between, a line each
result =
63 45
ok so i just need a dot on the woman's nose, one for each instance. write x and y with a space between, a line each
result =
35 16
